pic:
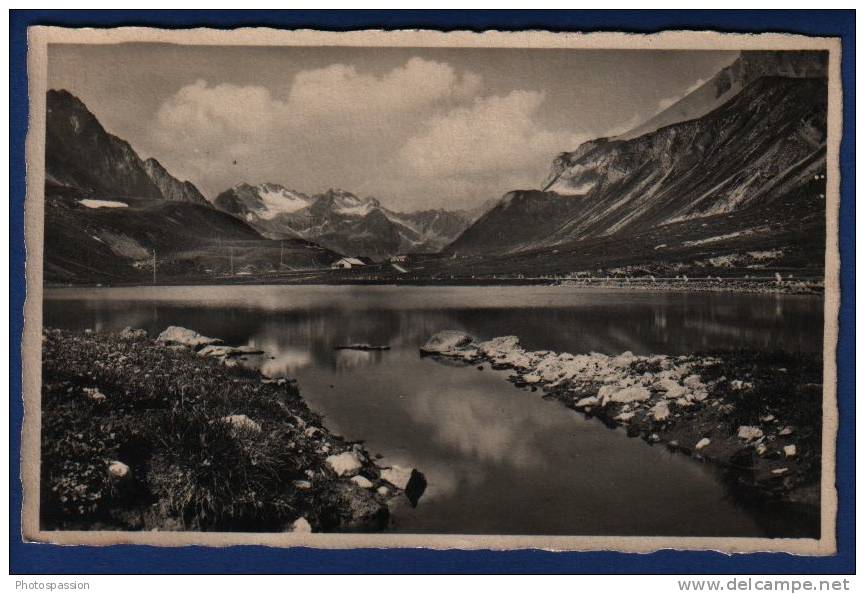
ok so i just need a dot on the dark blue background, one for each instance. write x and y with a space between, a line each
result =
38 558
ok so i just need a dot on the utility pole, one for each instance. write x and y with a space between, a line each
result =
231 259
154 266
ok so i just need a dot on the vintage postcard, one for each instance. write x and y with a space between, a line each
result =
425 289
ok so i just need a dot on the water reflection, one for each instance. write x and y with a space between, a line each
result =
497 459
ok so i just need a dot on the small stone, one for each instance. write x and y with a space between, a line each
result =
693 382
788 430
302 485
242 422
344 464
383 491
301 525
790 451
750 433
118 469
661 411
588 401
362 481
779 470
702 443
94 394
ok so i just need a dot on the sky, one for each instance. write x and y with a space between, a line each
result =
416 128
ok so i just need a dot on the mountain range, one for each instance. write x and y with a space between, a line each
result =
741 160
107 212
342 221
733 175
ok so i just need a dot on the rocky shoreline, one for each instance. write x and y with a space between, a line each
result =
756 415
176 433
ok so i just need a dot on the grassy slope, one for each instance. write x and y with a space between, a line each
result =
84 245
161 416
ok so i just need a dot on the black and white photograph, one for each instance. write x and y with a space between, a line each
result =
432 289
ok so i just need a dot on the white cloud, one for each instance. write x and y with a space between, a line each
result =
494 134
669 101
340 91
419 131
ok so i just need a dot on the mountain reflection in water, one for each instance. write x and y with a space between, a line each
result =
497 459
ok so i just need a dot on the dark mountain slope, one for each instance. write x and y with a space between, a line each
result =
752 152
170 187
79 153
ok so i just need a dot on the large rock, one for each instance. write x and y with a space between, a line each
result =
499 346
219 351
409 480
750 433
629 394
344 464
346 507
446 341
185 336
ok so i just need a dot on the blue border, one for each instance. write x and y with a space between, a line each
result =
36 559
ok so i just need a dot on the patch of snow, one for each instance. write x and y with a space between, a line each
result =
93 203
766 254
280 201
716 238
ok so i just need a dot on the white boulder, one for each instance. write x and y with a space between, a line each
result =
588 401
790 451
185 336
398 476
661 411
672 388
446 341
118 470
702 443
629 394
362 482
301 525
693 382
499 346
750 433
346 463
217 351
